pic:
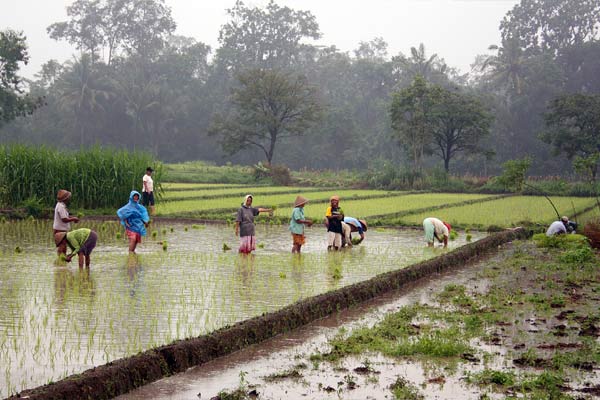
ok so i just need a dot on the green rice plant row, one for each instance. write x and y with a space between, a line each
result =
385 205
239 192
438 207
186 207
181 186
593 213
505 212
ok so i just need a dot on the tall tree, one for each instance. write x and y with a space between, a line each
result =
551 25
573 123
139 27
84 91
83 29
460 121
267 106
13 100
264 38
432 68
411 115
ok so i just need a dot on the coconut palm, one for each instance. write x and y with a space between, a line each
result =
84 91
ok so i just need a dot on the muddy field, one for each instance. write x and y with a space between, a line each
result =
523 323
123 375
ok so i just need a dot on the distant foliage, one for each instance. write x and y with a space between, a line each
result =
98 178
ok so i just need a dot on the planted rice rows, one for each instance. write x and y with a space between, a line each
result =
505 212
238 192
179 186
386 205
221 205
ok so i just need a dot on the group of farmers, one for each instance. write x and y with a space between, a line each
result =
339 227
135 218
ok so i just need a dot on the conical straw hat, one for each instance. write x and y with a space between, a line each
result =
300 200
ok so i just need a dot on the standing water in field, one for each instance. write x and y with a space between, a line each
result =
57 320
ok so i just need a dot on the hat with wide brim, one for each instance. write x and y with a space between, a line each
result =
59 237
363 223
63 195
300 200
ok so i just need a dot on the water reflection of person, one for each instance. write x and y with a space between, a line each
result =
134 269
69 285
244 267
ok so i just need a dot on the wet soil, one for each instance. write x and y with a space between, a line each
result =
123 375
525 345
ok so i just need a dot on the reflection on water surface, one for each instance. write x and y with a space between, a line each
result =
58 320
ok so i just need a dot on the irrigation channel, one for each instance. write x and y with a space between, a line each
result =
58 320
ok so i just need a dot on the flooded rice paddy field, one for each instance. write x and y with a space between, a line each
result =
285 367
57 320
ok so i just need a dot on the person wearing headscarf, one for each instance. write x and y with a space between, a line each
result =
297 223
134 217
62 218
438 229
79 241
244 224
334 215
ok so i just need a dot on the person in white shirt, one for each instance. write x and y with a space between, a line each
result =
148 190
558 227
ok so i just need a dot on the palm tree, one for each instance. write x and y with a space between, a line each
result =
84 92
507 68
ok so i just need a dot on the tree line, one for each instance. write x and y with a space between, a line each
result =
266 94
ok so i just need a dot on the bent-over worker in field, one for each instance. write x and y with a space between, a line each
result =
134 217
559 227
79 241
334 215
297 223
436 229
350 225
244 224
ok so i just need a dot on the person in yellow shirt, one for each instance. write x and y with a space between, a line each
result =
79 241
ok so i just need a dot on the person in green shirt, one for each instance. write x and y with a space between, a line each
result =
79 241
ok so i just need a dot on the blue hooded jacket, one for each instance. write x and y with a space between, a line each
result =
135 214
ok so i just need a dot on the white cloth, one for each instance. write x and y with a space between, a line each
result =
555 228
440 229
347 231
334 239
60 212
147 182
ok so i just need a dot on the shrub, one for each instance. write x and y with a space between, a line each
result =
574 241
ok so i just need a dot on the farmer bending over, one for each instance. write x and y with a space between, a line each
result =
435 228
80 241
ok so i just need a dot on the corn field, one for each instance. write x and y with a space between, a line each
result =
97 177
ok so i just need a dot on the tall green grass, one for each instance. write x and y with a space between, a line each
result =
97 177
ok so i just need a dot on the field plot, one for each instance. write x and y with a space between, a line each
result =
189 207
506 212
387 205
239 192
59 320
176 186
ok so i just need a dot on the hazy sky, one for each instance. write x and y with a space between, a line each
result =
456 30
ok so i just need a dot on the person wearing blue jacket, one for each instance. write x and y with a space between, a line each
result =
134 217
